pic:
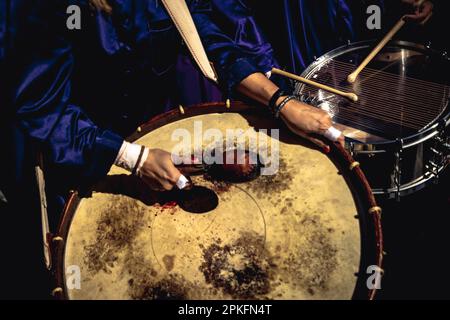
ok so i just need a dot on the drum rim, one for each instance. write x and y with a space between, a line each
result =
425 133
370 219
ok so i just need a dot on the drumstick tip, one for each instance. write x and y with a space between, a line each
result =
352 78
353 97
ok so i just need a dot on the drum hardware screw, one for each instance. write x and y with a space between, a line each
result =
181 109
139 130
228 103
375 210
435 151
56 291
446 146
352 149
354 165
397 169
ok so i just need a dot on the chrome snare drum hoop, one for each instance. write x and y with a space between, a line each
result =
399 128
278 228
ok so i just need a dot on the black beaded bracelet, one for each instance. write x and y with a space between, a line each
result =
273 101
282 105
138 162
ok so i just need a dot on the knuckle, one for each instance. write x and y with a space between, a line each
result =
168 186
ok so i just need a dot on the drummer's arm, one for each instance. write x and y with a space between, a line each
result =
46 113
244 59
422 12
301 118
42 100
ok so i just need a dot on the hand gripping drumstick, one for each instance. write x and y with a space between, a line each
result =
347 95
352 77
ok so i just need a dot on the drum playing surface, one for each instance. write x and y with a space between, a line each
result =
293 235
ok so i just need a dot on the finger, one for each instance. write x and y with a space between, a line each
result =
341 141
167 185
322 145
333 134
192 170
172 174
420 14
153 185
184 183
186 160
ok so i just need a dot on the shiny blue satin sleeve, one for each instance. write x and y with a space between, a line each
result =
232 40
45 112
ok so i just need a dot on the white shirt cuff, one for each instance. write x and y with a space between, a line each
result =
129 155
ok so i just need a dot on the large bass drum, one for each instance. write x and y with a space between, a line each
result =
310 231
398 130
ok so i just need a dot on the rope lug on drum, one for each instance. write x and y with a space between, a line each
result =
57 291
57 239
375 210
354 165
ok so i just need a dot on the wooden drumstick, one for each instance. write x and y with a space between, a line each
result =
347 95
352 77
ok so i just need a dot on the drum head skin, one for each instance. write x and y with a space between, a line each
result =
291 235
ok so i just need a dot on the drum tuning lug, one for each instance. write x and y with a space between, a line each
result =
139 129
375 210
354 165
181 109
435 151
384 253
445 55
57 291
428 45
432 164
228 103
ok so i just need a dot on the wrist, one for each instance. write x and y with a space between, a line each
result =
131 157
283 104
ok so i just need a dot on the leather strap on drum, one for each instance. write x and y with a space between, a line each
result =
39 170
179 12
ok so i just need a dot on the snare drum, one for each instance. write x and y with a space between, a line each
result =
398 130
312 230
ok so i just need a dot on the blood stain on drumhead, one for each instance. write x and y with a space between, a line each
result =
314 260
242 269
169 262
118 225
145 283
219 186
267 185
170 288
236 166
